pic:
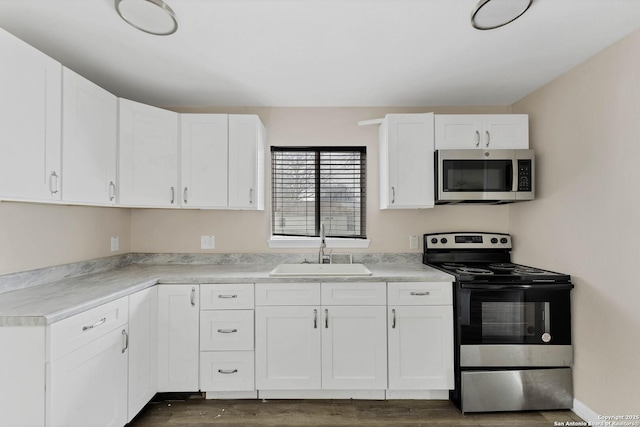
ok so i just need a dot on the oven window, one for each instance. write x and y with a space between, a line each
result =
514 317
477 175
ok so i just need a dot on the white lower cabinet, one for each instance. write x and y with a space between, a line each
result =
178 337
321 347
143 349
420 325
87 373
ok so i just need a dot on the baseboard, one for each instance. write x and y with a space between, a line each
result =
584 412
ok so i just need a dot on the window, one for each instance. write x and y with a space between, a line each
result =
311 185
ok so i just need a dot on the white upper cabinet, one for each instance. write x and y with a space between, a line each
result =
204 149
406 161
473 131
30 121
148 156
89 141
246 162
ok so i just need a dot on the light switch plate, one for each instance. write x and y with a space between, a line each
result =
413 242
207 242
115 244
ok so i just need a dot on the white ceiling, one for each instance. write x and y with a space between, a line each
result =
321 52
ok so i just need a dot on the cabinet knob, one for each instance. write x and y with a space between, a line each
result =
477 138
173 194
488 138
53 188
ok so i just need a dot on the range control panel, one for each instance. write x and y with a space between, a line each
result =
467 241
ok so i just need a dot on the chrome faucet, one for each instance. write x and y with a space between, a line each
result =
323 244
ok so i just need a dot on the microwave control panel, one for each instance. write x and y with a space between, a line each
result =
524 175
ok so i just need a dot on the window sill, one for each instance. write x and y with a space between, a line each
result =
277 242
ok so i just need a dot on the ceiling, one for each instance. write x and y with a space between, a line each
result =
321 52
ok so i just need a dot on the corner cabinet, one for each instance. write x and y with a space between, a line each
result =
148 156
30 122
484 132
406 161
89 141
246 162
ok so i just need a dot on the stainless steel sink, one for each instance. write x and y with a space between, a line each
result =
320 270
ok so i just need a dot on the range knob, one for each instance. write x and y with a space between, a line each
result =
434 240
494 240
443 240
504 240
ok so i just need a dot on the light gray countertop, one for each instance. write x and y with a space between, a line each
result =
51 302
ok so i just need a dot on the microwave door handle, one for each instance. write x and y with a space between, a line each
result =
514 175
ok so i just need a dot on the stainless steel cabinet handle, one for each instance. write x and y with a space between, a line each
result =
193 296
315 319
393 195
251 196
53 189
488 137
227 296
477 138
227 371
420 294
95 325
112 191
393 318
125 336
173 194
184 194
326 318
227 331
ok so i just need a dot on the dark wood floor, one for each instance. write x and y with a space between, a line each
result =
196 412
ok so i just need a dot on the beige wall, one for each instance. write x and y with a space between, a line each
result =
585 128
34 235
246 232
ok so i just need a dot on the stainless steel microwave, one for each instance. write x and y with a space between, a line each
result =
484 176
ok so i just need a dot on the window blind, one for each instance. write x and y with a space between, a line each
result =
311 185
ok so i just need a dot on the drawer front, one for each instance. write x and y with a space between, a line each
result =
76 331
420 293
226 296
226 330
287 293
227 371
354 293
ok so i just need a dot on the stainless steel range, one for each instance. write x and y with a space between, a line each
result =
512 325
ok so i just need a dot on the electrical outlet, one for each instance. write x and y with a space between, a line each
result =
207 242
413 242
115 244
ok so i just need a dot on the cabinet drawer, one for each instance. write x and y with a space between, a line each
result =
227 371
420 293
287 293
74 332
354 293
226 330
226 296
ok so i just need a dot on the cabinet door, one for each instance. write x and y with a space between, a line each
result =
354 348
505 131
89 139
178 347
30 122
246 162
420 347
458 131
407 162
204 160
148 156
143 349
88 387
288 348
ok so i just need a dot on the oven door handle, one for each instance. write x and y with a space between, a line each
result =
516 286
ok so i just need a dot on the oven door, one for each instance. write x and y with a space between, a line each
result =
465 175
514 325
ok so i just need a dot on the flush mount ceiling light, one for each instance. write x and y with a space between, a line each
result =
151 16
490 14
